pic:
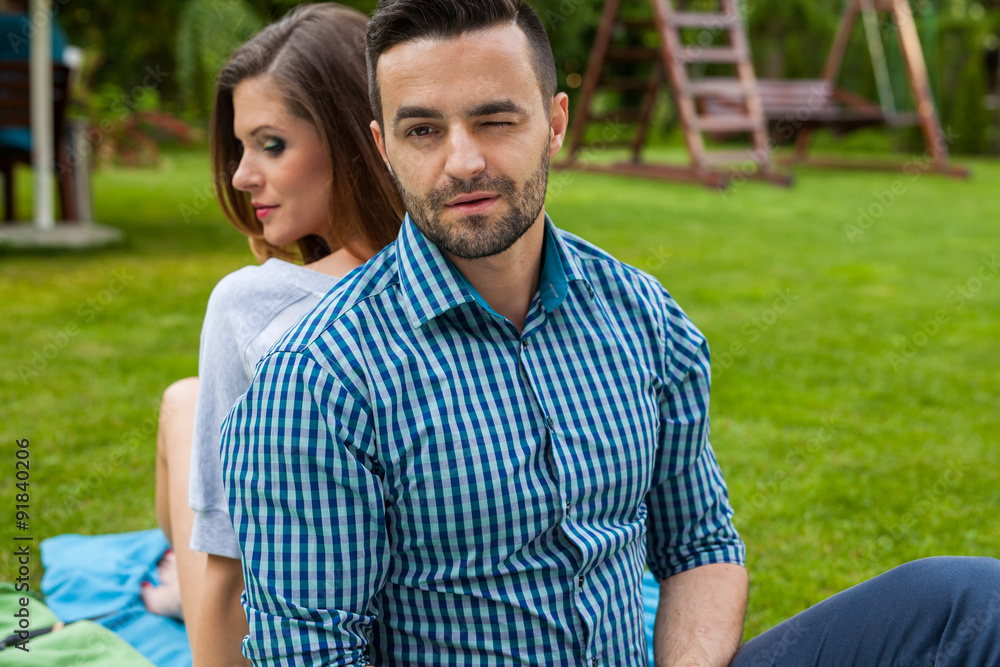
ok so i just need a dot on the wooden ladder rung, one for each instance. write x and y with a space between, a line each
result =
704 20
712 54
727 123
720 158
633 54
717 87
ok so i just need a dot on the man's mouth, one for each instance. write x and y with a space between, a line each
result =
473 203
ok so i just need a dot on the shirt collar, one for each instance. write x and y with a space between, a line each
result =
433 285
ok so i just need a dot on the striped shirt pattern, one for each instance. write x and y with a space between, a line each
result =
415 482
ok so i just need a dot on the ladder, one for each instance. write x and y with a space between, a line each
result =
673 58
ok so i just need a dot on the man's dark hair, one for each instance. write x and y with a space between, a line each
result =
396 22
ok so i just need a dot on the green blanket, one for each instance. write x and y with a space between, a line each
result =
79 644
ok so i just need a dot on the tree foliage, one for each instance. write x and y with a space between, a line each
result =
124 39
789 38
208 33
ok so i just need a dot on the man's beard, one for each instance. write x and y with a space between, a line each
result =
476 236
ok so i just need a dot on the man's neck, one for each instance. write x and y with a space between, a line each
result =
509 281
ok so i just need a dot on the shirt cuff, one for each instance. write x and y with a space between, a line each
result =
733 553
212 533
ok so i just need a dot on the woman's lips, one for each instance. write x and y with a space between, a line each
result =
263 211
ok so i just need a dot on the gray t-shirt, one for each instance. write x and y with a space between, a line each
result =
248 311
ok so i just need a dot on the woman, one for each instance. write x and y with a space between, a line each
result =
299 174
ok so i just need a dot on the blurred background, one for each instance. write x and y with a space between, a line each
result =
190 39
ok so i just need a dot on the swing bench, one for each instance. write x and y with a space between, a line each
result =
795 108
790 105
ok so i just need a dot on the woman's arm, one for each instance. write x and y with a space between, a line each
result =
218 625
220 621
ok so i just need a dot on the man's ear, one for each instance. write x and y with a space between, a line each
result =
559 123
380 142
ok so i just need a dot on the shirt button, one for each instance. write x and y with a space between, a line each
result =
549 422
568 506
581 581
594 663
524 343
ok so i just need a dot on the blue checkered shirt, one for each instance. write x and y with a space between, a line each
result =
415 482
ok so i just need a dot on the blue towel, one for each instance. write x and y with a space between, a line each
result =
101 576
650 600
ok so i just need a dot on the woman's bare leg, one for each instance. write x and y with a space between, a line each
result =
173 464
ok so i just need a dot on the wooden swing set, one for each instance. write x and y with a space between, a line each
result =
742 104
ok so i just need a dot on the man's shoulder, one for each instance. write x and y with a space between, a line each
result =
612 276
345 306
635 295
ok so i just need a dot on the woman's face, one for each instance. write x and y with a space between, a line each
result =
284 167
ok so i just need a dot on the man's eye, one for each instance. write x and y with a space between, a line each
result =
498 123
421 131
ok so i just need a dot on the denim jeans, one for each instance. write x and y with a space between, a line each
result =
935 611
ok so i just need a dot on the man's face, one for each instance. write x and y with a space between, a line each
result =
468 137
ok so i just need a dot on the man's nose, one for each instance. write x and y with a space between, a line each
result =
465 156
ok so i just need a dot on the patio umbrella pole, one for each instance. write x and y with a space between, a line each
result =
41 111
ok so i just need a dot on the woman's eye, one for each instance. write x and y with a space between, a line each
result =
274 146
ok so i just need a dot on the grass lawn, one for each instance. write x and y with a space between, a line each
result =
854 340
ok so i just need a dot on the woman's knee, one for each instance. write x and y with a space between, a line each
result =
179 398
177 419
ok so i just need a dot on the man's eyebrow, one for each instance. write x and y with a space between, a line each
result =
407 112
485 109
494 107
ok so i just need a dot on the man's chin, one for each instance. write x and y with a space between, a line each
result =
455 219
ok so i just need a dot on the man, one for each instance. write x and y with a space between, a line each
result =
469 451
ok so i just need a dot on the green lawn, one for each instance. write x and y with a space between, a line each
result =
856 377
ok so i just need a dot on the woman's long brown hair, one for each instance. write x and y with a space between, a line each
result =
316 56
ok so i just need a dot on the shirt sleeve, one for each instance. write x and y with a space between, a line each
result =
689 518
308 506
222 380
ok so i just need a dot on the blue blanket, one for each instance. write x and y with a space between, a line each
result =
100 577
88 577
650 600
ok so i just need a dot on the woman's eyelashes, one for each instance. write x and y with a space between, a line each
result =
273 145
